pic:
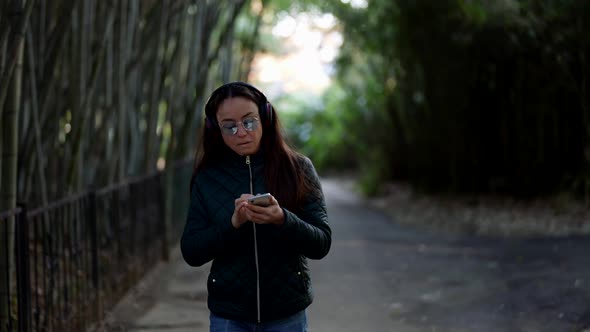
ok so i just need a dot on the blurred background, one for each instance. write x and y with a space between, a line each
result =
453 96
101 108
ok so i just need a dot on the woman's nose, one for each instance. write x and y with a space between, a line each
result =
241 130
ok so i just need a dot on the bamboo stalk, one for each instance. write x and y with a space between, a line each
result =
14 48
109 107
244 66
122 96
35 115
151 152
9 157
72 168
189 118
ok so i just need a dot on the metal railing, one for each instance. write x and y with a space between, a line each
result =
13 287
63 265
63 275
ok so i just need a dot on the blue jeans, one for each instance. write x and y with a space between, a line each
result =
295 323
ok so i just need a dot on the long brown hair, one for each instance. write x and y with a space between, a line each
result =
282 164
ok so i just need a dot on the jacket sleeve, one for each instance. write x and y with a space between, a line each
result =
308 232
202 239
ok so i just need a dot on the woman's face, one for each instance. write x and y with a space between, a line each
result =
240 125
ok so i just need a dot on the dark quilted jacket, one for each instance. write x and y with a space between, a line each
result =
284 280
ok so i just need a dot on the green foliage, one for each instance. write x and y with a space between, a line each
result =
467 96
318 128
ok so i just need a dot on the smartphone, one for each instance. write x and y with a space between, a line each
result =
260 199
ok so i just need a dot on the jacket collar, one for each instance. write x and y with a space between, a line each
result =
255 159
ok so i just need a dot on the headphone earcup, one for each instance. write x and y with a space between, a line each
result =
268 113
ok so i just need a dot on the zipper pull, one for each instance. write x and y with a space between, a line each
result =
247 160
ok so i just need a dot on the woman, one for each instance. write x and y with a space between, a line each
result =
259 279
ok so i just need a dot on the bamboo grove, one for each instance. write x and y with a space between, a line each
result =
95 91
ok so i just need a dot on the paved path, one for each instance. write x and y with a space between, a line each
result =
380 276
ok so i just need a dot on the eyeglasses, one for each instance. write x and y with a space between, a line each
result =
231 127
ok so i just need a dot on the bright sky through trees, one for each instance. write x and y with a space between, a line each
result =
310 43
356 3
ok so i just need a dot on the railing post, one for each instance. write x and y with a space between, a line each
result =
93 227
162 215
23 283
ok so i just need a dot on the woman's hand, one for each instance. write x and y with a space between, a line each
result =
244 211
240 217
272 214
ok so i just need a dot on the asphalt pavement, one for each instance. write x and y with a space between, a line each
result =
380 276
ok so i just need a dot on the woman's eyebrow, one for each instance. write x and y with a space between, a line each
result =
244 116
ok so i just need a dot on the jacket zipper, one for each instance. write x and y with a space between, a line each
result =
255 247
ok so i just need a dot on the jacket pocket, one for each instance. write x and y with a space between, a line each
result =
303 274
217 286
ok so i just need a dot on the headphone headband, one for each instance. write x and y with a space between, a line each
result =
264 106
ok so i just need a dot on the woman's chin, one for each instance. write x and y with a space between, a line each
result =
245 150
